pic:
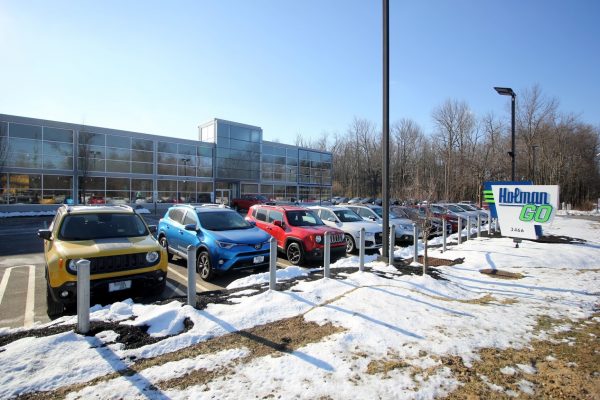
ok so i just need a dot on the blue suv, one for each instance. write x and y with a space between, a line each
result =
225 240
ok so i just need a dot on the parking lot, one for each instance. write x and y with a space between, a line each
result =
22 281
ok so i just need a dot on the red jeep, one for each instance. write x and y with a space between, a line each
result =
247 201
299 232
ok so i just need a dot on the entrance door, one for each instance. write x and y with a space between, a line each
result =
222 196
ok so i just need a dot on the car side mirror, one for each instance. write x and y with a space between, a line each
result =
45 234
331 219
372 218
278 223
190 227
152 228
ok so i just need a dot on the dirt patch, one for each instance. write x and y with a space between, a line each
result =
565 367
383 367
559 239
498 273
283 337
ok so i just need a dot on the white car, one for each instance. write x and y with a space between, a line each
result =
403 226
347 220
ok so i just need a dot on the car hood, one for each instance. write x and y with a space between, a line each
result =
241 236
356 226
106 247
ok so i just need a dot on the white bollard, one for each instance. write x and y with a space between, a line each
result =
83 296
361 250
444 234
191 272
415 243
272 263
459 230
478 225
468 229
392 244
327 254
489 215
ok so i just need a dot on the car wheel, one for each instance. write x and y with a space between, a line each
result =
165 245
294 253
203 267
54 308
350 245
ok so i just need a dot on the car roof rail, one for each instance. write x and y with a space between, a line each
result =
125 206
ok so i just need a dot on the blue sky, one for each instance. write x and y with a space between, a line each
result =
292 67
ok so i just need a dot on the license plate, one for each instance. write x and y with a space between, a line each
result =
259 259
116 286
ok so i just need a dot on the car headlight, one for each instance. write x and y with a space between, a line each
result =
72 266
152 256
406 227
225 245
369 234
318 238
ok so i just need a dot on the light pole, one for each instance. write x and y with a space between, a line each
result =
509 92
385 182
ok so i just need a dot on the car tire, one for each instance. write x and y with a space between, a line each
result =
165 245
294 253
204 267
350 245
54 308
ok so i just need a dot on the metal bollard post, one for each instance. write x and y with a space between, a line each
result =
272 263
392 243
489 218
191 272
415 243
361 250
478 225
468 228
327 254
83 296
444 234
459 230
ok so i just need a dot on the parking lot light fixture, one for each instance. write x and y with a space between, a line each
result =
504 91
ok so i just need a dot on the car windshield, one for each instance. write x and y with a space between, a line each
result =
454 208
303 218
399 213
468 207
102 226
222 221
347 216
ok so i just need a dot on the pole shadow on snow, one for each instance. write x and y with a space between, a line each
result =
357 314
143 385
268 343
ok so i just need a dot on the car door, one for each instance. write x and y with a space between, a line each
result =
277 231
173 227
188 237
328 217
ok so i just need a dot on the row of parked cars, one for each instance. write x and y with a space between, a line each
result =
126 253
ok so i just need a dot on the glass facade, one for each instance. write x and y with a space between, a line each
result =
237 152
44 162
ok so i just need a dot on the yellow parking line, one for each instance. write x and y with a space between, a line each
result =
199 287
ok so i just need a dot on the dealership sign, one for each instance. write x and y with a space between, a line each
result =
521 208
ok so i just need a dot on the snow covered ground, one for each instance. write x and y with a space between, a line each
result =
382 317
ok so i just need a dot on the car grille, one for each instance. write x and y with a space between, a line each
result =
378 238
337 238
123 262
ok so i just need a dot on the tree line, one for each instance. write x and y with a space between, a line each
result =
464 150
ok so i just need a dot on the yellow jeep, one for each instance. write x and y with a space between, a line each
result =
123 253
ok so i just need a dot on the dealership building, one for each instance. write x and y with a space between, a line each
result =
46 163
